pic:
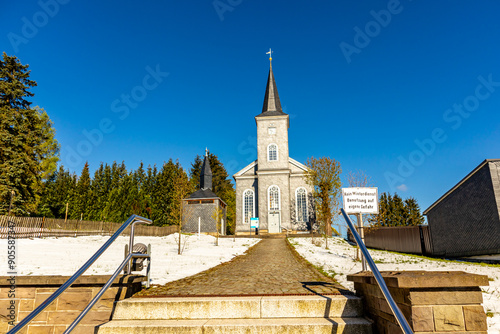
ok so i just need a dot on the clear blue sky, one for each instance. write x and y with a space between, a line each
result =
362 82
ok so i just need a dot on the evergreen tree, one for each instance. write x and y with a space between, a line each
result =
28 149
140 204
398 211
393 211
148 188
414 216
100 189
163 195
57 191
80 201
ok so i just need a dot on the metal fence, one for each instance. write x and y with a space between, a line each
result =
404 239
40 227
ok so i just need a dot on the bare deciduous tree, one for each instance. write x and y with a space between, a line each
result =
324 177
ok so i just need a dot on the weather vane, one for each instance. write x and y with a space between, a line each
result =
270 53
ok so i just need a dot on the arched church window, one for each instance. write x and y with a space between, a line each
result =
274 198
248 205
272 152
301 205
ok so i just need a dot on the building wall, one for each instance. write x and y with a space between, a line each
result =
31 291
243 184
495 179
264 182
280 139
297 181
204 211
288 183
467 221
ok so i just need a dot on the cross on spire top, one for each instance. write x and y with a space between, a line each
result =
270 53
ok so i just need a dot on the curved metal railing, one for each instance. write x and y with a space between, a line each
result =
378 277
131 220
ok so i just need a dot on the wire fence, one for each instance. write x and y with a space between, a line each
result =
41 227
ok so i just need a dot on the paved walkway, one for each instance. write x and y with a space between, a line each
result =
271 267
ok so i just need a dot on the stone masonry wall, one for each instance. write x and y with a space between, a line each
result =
432 302
31 291
242 185
205 211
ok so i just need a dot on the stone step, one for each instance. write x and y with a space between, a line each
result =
314 306
268 326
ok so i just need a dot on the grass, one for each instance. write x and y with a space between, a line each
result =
328 273
422 257
321 269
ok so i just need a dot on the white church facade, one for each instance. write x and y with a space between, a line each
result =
273 187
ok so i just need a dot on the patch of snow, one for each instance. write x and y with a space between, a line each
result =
340 258
64 256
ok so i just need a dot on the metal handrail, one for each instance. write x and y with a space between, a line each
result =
103 289
131 220
378 277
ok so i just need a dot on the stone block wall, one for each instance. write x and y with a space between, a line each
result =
31 291
432 302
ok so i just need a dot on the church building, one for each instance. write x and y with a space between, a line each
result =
273 187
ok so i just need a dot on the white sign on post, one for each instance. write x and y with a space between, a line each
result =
254 222
360 200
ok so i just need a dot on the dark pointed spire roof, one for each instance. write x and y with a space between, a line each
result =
272 105
206 174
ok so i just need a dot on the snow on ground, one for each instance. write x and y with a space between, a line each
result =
339 258
64 256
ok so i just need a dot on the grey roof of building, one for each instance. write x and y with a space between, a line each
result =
272 104
203 193
206 174
481 165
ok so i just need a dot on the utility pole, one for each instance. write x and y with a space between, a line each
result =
12 193
66 216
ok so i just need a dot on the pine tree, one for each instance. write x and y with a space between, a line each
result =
414 215
393 211
163 195
57 191
148 189
80 201
28 149
100 188
398 211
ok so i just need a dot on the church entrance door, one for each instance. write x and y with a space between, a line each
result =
274 222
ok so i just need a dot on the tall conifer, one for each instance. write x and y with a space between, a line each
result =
28 149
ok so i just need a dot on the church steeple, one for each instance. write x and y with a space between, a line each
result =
206 173
272 105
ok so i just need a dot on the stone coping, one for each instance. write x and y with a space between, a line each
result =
422 279
58 280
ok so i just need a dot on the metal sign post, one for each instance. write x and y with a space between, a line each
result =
357 201
362 233
254 223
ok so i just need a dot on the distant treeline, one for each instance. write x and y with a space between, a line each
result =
114 193
394 211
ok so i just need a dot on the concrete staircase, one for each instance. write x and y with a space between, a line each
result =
279 314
